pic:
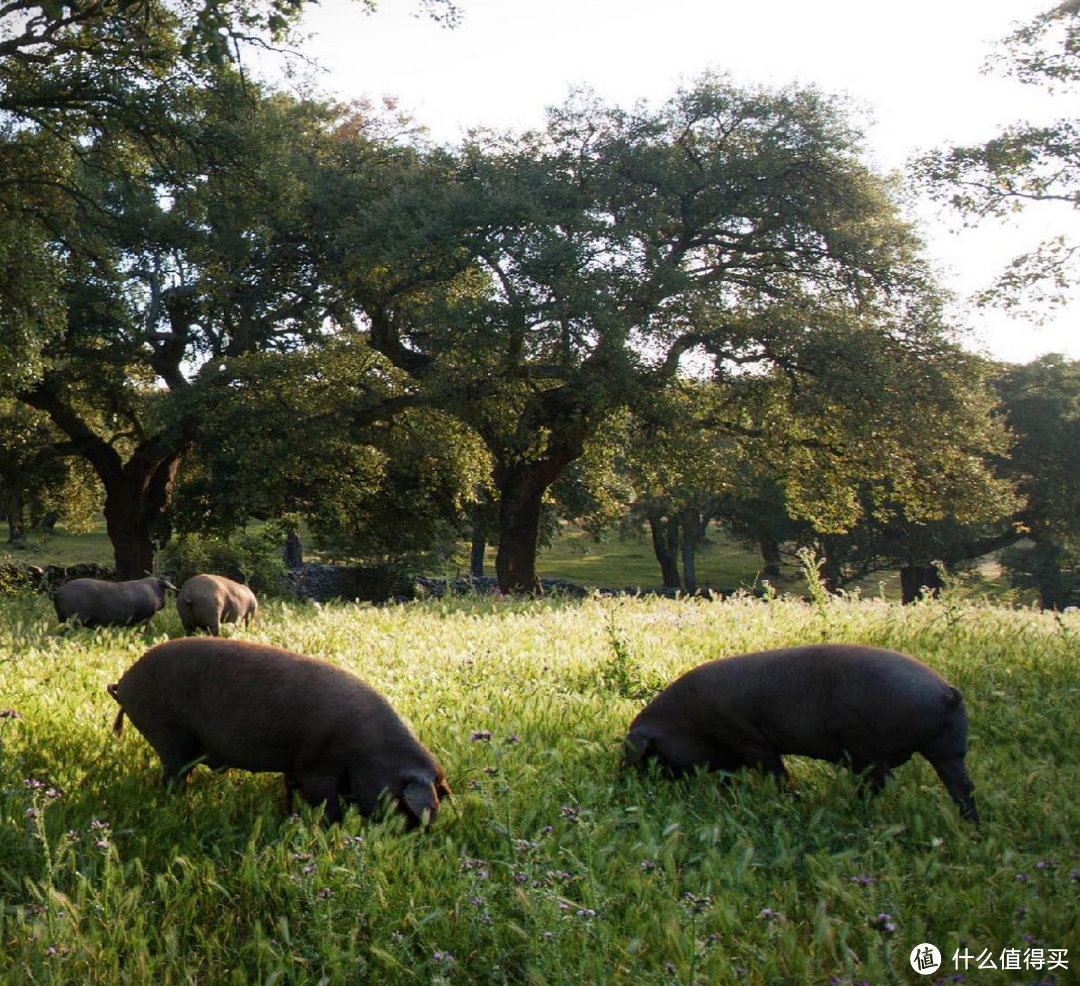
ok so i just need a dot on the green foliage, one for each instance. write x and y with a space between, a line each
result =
393 488
551 867
37 484
538 285
253 557
1048 567
1041 402
1024 164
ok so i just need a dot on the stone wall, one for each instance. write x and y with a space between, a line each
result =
29 578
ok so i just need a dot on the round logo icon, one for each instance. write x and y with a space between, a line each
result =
925 959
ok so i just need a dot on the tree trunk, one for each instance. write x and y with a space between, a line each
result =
691 534
831 573
136 497
914 579
770 555
665 540
476 553
293 552
521 492
14 517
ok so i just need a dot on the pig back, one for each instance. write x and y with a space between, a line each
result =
258 707
109 603
819 700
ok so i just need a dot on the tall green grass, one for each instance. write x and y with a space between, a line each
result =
550 867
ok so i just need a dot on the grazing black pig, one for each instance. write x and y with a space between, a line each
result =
228 703
866 706
99 603
206 601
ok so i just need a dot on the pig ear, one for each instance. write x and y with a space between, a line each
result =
418 796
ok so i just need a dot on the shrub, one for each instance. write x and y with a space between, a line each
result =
249 556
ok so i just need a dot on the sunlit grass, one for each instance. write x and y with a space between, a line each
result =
551 867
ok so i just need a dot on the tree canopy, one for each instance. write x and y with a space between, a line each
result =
1025 164
535 284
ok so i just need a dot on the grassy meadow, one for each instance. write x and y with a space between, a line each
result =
551 867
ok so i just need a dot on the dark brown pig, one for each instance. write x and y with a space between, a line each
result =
204 602
868 707
227 703
99 603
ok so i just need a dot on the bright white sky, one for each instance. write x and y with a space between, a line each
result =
913 70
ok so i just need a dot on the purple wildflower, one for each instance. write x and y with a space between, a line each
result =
9 714
1022 877
696 904
647 865
480 734
439 956
569 811
512 738
885 923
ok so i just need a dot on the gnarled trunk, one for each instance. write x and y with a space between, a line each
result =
665 540
136 498
521 487
770 555
521 492
137 492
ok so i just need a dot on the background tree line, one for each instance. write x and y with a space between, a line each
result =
228 302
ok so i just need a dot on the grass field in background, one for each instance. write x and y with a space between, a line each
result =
553 868
573 555
60 548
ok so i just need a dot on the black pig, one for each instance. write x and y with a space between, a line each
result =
866 706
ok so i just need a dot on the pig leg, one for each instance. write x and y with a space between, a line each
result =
958 784
766 759
317 790
179 756
872 775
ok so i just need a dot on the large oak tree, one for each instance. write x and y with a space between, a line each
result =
536 284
